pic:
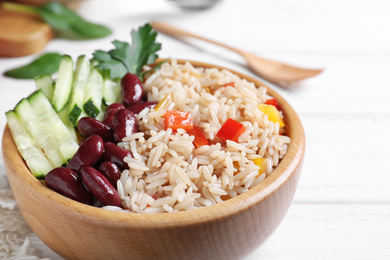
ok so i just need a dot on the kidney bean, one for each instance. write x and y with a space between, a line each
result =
66 182
125 123
89 152
89 126
115 154
138 107
131 89
109 113
99 186
111 171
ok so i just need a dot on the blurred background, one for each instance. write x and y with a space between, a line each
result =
342 206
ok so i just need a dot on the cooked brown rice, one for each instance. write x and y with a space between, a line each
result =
167 173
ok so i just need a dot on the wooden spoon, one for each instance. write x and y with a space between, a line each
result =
276 72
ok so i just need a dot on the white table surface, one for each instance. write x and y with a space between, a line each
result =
341 209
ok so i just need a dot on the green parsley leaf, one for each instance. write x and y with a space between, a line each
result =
106 62
130 58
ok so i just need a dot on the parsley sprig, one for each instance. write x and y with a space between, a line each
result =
130 58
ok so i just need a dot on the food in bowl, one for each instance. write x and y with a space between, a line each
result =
181 138
227 230
177 169
202 136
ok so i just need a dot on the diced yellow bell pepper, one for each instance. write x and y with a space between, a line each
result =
207 89
163 103
273 113
236 166
262 163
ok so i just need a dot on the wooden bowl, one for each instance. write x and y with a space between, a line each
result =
228 230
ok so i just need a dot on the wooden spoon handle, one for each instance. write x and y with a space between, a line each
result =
180 34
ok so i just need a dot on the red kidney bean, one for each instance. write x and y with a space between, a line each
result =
131 89
125 124
115 154
89 152
66 182
109 113
89 126
111 171
99 186
138 107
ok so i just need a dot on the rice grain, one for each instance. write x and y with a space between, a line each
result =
167 173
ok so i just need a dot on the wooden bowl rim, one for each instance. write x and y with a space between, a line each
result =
286 168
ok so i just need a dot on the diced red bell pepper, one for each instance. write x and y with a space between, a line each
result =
200 139
231 130
230 84
273 102
178 119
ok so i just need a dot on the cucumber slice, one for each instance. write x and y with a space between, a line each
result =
100 116
36 160
63 86
111 89
81 75
94 94
32 122
46 83
66 121
55 128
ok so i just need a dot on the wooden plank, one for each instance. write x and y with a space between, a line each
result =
299 26
330 231
345 158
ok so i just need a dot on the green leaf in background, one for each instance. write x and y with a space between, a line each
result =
130 58
69 23
48 63
64 21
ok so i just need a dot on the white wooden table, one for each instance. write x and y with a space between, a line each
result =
342 206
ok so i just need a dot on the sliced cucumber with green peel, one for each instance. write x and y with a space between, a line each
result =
80 79
63 86
46 83
35 159
111 89
51 122
69 125
100 116
94 94
33 124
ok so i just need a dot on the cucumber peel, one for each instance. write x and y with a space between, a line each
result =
93 94
76 102
35 159
63 86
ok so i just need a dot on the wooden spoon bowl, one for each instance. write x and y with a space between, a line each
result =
228 230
